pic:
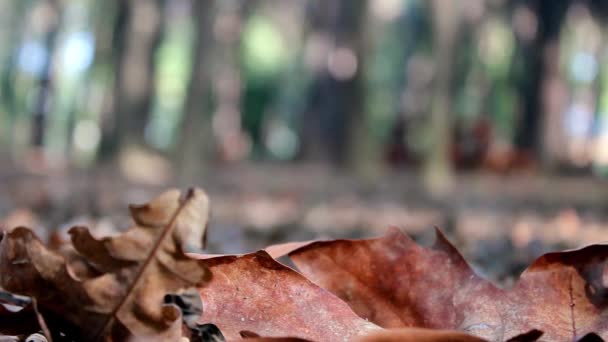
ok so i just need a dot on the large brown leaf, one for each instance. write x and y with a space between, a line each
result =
133 271
394 282
255 293
397 335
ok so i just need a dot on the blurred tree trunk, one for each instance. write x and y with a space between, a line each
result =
137 34
231 84
336 107
110 137
13 19
43 95
446 19
97 81
195 142
363 150
536 56
310 132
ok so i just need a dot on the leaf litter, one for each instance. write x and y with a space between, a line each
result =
130 273
142 285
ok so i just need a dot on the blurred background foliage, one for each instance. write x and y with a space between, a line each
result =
468 110
364 85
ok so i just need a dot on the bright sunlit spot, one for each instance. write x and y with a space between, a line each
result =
77 53
86 135
342 63
387 10
32 57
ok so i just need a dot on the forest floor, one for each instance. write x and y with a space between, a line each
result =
499 222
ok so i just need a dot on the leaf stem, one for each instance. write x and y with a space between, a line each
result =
166 229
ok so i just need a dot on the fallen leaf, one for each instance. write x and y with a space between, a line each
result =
394 283
136 270
255 293
419 335
28 268
395 335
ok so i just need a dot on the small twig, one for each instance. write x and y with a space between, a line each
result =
41 321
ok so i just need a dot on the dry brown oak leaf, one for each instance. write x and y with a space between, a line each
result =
394 282
257 294
134 270
255 297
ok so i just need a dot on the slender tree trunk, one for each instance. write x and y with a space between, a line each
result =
138 34
45 86
110 137
363 150
550 16
195 141
446 21
336 100
312 139
96 77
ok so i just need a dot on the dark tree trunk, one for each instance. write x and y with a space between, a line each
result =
336 103
110 137
45 85
550 16
138 33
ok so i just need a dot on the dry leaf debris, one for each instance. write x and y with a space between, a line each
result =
134 270
383 289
